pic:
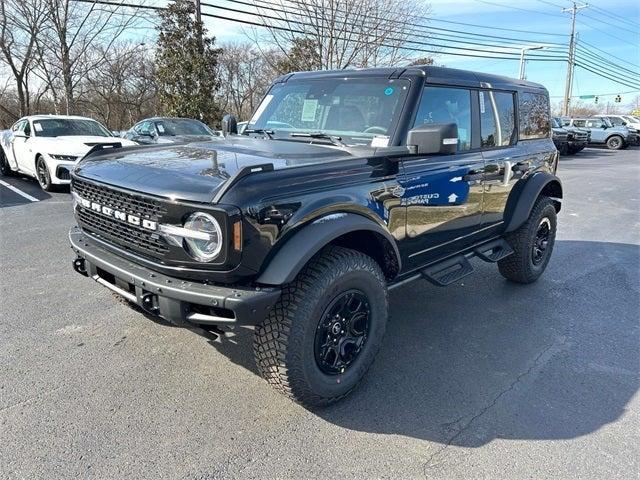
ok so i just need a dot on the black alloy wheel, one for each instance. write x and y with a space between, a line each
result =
342 332
541 242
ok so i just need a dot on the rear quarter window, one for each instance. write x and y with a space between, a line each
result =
534 115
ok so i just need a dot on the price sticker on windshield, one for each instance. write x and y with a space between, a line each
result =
309 108
37 126
380 141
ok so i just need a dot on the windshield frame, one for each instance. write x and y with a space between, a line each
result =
38 133
357 139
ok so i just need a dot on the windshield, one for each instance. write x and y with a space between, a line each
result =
171 127
631 119
356 110
555 123
58 127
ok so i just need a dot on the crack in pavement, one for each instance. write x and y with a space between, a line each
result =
430 461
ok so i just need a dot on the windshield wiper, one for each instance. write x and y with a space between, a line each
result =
324 136
268 133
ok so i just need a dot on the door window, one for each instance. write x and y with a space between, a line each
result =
447 105
617 121
594 123
534 115
497 119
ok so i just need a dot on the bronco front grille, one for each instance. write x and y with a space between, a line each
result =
122 233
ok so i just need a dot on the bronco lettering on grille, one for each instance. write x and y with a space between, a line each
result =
116 214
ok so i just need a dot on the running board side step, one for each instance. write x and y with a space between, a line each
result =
457 267
494 251
448 271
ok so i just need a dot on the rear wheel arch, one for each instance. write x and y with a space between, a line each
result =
348 230
525 194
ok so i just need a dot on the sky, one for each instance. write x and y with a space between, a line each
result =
605 24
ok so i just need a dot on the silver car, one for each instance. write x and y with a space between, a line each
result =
603 132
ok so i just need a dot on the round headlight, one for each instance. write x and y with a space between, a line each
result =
205 249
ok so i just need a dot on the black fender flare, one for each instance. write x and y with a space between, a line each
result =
524 195
310 239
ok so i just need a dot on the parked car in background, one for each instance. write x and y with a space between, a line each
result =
632 123
568 140
169 130
604 133
48 146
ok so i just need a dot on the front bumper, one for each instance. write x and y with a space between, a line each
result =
181 302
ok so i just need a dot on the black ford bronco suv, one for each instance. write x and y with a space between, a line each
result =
344 184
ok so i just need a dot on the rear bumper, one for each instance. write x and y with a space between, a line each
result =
181 302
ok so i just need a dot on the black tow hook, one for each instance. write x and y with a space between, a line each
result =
80 267
148 304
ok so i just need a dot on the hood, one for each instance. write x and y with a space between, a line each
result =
78 145
196 171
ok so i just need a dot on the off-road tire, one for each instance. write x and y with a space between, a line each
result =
519 266
615 142
284 342
5 169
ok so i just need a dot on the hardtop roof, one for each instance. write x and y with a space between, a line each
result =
432 74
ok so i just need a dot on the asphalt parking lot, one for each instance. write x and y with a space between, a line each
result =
483 379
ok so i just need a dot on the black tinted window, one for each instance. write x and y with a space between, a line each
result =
447 105
534 115
497 119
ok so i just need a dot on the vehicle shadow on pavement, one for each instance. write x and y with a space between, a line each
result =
489 359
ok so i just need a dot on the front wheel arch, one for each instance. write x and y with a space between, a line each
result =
348 230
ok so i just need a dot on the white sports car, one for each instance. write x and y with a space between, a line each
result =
48 146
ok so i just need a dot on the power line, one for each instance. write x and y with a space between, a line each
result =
429 44
413 32
604 32
605 76
538 12
599 94
595 57
607 53
614 16
273 6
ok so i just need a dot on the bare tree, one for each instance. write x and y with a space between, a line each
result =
67 48
345 33
123 90
21 22
245 75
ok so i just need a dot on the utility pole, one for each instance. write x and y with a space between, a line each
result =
572 51
199 21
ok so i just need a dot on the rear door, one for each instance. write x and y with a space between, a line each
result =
505 161
442 193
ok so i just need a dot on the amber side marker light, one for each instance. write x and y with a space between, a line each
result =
237 236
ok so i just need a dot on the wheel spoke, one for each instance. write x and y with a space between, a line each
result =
342 332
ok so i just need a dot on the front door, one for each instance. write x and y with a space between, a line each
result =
442 194
21 149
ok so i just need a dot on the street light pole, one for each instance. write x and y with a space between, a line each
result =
522 50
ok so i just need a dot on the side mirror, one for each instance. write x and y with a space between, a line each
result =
20 133
229 125
433 138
